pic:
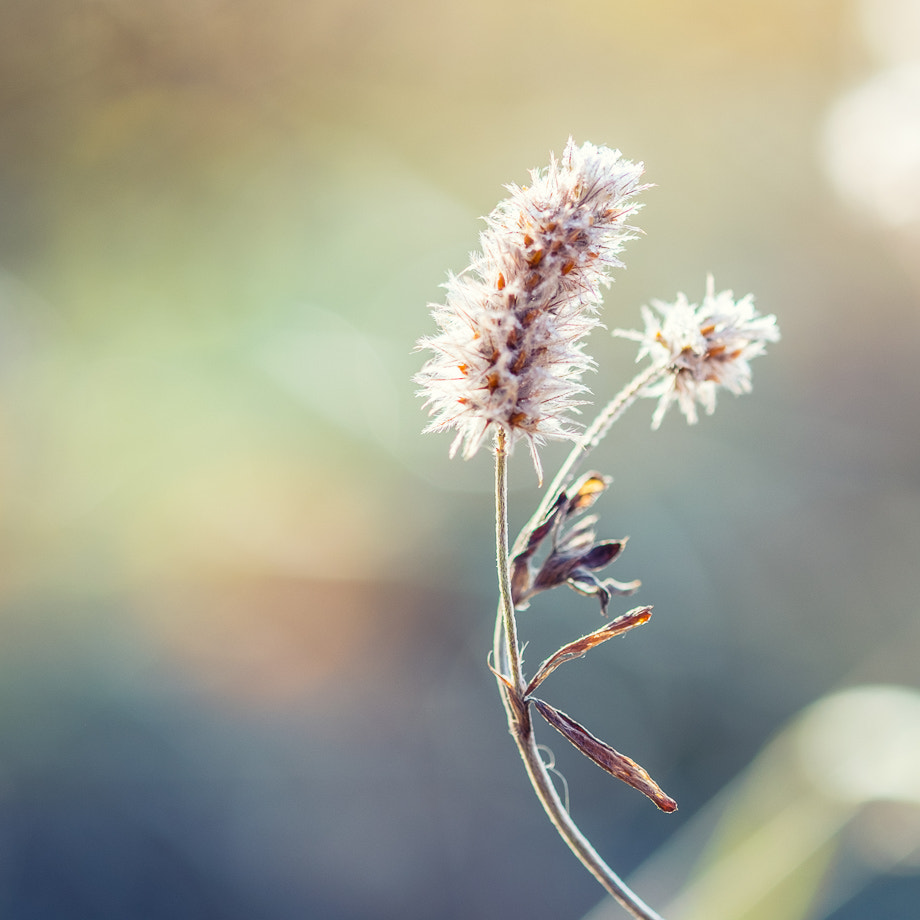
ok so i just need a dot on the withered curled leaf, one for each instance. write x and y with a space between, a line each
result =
635 617
575 553
539 533
561 566
521 574
520 582
602 554
615 763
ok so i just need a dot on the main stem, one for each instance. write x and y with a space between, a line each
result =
512 688
509 656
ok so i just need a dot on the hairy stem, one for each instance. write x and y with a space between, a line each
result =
508 657
512 688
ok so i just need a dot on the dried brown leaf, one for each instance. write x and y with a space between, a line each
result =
602 554
520 581
579 647
538 534
615 763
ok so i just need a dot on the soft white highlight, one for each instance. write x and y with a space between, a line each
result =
871 146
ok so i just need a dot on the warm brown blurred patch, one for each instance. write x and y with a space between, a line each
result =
275 642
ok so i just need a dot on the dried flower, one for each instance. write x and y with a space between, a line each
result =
575 554
701 348
508 352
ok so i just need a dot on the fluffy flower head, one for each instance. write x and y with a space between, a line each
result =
508 353
700 348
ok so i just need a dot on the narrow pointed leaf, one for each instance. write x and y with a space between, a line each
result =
579 647
602 554
615 763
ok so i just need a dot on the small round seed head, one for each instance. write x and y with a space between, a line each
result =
702 347
508 353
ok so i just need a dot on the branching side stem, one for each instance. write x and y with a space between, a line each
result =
591 437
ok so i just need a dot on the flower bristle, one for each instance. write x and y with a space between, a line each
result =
508 353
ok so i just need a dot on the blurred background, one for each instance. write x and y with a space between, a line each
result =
245 606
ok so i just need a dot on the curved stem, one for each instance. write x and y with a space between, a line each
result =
590 438
512 688
570 833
